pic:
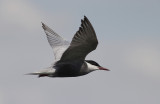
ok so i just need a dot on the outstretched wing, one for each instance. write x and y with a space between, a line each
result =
83 42
58 44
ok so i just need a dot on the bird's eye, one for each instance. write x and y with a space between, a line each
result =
93 62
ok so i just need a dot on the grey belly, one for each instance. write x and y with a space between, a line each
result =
69 69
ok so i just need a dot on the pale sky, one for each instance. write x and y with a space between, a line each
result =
129 45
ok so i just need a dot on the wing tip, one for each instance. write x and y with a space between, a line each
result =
85 18
44 26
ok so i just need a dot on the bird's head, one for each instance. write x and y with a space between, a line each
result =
92 65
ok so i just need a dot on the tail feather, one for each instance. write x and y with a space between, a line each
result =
34 73
44 72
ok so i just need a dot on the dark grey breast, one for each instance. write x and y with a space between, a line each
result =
83 42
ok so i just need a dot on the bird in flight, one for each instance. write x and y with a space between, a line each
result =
70 57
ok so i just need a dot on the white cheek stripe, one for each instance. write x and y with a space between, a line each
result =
91 67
